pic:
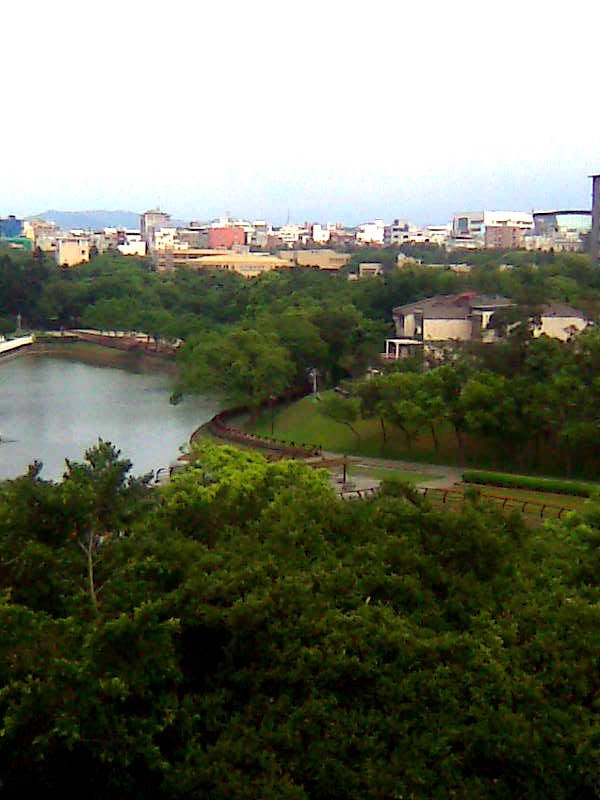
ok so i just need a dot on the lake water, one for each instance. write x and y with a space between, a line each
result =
52 408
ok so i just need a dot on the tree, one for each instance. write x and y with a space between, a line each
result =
102 503
244 366
345 410
264 639
401 404
371 393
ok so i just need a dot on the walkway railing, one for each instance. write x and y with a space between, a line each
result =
220 427
450 497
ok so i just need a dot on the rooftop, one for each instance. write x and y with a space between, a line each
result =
454 306
561 310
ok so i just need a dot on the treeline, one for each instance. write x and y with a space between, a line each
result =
115 291
243 633
525 403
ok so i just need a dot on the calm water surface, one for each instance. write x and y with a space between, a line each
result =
52 408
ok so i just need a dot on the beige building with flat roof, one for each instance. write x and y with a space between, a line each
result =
250 265
560 321
72 251
320 259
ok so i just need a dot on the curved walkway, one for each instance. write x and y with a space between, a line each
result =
441 476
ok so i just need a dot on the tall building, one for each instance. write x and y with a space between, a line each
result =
151 221
595 240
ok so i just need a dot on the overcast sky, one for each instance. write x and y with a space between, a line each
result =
329 110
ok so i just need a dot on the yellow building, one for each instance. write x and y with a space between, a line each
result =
320 259
72 251
250 265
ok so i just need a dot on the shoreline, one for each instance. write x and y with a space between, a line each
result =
95 354
100 355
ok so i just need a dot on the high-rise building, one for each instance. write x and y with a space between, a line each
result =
151 221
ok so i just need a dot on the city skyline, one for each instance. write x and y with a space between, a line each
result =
319 112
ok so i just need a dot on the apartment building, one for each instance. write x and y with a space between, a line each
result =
151 221
72 251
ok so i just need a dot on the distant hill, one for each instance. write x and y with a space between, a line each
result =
90 219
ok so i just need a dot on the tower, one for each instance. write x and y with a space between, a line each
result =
595 234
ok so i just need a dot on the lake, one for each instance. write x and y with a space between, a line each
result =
53 407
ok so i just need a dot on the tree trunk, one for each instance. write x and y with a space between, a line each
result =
436 443
461 446
383 434
355 432
88 549
407 436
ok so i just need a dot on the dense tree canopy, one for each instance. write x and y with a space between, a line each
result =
256 637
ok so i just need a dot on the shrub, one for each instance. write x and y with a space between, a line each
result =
531 482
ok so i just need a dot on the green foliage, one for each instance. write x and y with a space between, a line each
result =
257 637
345 410
510 481
244 366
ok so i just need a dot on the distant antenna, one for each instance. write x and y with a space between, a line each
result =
287 222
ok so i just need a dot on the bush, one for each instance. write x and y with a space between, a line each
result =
506 480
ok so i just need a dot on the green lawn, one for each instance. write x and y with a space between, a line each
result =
302 423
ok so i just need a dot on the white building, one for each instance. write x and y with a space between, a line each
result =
474 223
438 234
321 234
371 232
291 234
166 239
132 248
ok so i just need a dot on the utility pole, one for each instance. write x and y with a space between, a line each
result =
595 233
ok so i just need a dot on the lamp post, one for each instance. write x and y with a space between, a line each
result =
313 375
271 399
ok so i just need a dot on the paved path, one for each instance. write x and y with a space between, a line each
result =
441 475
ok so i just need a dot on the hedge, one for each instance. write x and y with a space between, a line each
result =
554 485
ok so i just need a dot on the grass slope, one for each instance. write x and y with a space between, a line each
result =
301 422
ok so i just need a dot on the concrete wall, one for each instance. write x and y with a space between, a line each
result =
323 259
14 344
443 329
70 252
559 327
132 249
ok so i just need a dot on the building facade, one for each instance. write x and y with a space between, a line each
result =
72 251
10 227
226 238
151 221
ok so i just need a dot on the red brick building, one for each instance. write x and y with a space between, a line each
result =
225 238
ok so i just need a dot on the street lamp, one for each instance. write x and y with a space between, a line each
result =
272 398
313 374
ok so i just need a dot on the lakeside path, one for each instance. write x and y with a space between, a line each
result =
435 476
438 476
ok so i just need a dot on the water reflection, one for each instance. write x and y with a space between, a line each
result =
54 408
